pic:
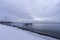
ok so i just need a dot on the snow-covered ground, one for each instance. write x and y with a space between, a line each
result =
10 33
26 11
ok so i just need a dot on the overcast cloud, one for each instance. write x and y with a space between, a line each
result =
30 9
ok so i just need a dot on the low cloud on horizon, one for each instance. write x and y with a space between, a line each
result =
30 9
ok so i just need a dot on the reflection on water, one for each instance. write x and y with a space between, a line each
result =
48 29
51 27
42 28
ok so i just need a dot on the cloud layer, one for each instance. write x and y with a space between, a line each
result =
30 9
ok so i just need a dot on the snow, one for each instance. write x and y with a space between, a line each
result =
10 33
21 10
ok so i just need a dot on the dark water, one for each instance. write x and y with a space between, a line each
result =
41 28
48 29
44 28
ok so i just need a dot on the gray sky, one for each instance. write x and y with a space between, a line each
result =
31 9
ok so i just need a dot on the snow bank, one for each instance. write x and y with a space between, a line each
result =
10 33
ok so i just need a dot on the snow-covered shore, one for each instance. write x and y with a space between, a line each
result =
10 33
